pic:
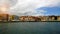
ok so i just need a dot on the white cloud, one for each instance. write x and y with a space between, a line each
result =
29 7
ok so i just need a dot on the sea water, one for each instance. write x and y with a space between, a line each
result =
30 28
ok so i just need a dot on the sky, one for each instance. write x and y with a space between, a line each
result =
51 10
34 7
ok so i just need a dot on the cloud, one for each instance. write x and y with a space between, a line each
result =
28 7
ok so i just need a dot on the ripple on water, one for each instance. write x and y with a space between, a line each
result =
33 28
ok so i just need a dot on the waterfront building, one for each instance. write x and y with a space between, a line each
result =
22 18
43 18
16 18
58 18
52 18
31 18
28 18
13 18
4 17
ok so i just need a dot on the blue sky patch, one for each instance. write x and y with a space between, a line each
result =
51 10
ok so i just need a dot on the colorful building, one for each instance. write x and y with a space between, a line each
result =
4 17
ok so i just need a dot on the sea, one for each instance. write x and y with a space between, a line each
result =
30 28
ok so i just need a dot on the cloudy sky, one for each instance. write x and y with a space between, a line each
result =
34 7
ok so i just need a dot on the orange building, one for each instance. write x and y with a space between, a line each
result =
4 17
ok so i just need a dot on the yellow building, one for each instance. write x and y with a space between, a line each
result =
43 18
58 18
11 17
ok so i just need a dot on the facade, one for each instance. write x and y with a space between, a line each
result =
58 18
28 18
40 18
4 17
31 18
22 18
52 18
43 18
13 18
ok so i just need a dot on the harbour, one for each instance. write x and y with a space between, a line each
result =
29 17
